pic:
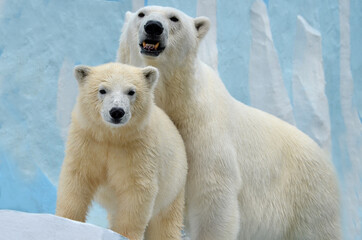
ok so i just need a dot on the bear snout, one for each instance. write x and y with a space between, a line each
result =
153 27
152 38
117 113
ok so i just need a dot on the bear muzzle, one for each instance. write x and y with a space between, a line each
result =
152 38
116 114
153 27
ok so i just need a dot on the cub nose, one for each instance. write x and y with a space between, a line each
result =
116 113
153 27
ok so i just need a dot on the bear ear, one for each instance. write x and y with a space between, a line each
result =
81 72
202 25
151 76
127 16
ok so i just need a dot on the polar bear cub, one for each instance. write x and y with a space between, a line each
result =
124 149
251 175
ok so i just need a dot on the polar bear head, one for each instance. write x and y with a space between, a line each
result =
115 93
160 35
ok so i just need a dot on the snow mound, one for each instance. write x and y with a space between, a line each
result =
20 225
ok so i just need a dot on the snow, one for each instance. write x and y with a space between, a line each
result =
19 225
299 60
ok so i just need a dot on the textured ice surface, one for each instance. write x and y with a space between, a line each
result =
267 90
40 42
309 99
19 225
261 46
208 47
352 137
233 43
66 97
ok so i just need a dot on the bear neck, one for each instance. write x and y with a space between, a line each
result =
177 79
184 92
180 89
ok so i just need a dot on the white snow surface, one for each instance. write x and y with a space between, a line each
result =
16 225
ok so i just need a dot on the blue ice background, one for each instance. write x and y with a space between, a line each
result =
38 36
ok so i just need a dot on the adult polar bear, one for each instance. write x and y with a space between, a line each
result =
251 175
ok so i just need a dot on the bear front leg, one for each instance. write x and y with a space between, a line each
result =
167 225
75 193
134 211
213 214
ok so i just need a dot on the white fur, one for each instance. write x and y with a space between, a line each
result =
136 168
251 175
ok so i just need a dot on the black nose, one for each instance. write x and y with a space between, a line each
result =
117 113
153 27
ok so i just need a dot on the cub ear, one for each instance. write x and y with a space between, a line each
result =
151 76
81 72
202 25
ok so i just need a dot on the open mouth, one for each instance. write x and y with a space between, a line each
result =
151 47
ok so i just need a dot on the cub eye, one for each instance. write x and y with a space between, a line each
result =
141 14
102 91
174 19
131 92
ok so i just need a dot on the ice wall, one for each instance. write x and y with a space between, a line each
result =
40 42
233 43
352 136
208 47
308 85
300 60
266 86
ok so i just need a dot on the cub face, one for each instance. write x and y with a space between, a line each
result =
158 33
115 93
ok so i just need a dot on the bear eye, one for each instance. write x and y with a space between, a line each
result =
102 91
174 19
131 92
141 14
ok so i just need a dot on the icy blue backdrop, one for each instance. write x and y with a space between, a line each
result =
300 60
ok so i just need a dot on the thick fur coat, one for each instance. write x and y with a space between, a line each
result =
133 160
251 175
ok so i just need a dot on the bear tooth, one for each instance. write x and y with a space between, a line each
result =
144 44
157 44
